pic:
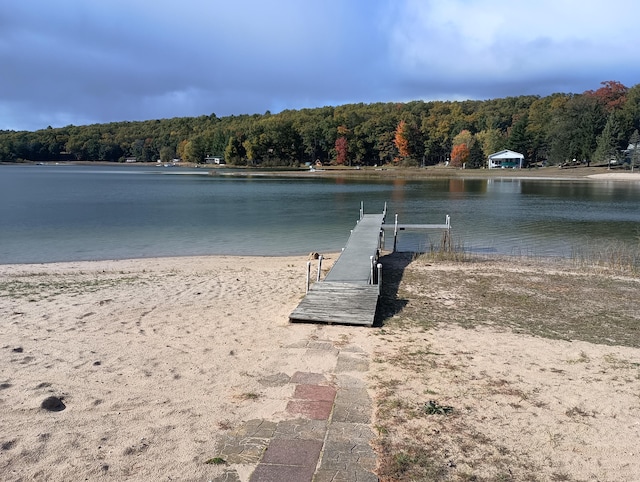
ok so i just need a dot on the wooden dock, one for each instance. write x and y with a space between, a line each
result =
349 293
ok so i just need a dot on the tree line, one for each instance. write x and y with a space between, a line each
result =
596 125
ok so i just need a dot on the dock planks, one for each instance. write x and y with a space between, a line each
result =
346 295
340 303
354 263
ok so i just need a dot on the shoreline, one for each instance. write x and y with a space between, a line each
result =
152 259
391 172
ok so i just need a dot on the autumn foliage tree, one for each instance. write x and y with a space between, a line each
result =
459 155
612 95
463 137
460 152
342 145
341 150
401 139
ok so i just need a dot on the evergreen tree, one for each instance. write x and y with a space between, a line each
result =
518 139
476 156
606 149
634 145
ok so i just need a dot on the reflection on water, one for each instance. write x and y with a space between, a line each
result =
51 213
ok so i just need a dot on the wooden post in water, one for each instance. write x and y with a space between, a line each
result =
361 209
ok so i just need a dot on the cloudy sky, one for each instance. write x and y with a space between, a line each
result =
82 61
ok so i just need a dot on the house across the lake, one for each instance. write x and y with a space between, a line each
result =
506 159
214 160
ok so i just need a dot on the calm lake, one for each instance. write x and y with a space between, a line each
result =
65 213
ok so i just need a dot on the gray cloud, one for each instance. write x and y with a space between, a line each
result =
81 62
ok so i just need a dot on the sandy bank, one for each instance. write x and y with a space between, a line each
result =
617 176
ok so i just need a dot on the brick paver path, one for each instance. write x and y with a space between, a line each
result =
327 437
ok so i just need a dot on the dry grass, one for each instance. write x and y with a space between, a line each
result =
553 299
560 300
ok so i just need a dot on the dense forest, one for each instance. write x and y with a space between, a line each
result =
596 125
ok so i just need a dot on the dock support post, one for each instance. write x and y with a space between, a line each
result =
371 274
361 209
379 278
319 268
308 274
395 233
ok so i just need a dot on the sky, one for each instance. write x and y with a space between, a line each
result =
82 62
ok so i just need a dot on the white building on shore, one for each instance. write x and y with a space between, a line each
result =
506 159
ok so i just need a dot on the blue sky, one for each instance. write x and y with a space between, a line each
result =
80 62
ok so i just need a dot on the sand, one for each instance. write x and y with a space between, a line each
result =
617 176
156 359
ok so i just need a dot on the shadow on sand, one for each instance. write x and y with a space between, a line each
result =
393 266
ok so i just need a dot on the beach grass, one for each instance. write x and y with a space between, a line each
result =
42 287
613 257
589 299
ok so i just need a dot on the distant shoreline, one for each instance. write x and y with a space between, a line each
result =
548 173
430 172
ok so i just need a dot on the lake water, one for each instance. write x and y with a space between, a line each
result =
63 213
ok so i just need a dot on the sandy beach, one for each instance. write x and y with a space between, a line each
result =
617 176
598 173
155 360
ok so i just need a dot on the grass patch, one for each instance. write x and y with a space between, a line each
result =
249 396
556 299
549 299
216 461
410 463
613 257
447 250
582 358
434 408
36 289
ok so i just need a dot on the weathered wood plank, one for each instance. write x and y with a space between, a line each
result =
338 303
354 263
346 295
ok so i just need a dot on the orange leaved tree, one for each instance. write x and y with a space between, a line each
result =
402 139
341 150
459 155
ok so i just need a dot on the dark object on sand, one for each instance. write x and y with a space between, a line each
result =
53 404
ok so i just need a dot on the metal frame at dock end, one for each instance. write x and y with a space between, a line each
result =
416 227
